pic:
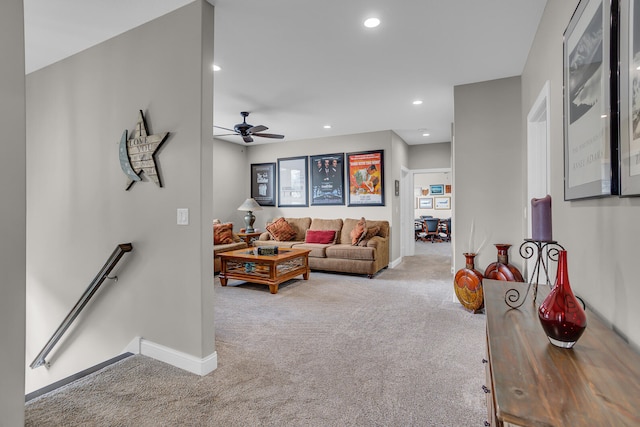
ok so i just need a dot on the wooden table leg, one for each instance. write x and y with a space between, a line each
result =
273 289
223 280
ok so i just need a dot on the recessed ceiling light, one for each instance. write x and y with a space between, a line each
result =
372 22
417 102
216 67
425 134
327 126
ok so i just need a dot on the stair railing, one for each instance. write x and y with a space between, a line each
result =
82 302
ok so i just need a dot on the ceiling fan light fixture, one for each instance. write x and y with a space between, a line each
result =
371 22
417 102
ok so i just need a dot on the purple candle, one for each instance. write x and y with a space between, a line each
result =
541 219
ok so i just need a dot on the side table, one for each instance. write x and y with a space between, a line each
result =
249 237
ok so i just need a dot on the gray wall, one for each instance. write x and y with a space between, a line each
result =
13 213
487 158
395 156
78 209
600 235
231 172
430 156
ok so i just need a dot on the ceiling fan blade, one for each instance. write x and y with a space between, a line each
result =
226 134
269 135
247 138
220 127
258 128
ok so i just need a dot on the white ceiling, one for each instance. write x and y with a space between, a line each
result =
298 65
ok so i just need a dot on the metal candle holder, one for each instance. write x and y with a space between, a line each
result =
544 251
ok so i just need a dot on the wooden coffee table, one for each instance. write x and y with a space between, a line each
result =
270 270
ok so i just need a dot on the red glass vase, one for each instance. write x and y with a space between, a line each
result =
561 314
467 284
502 270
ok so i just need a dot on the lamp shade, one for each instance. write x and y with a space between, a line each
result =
250 205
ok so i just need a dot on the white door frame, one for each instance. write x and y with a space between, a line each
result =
538 158
407 242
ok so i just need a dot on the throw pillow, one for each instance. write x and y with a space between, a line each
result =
371 232
222 233
357 231
281 231
320 236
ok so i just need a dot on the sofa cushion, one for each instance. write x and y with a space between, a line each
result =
222 234
327 224
320 236
351 252
369 233
318 250
356 232
281 231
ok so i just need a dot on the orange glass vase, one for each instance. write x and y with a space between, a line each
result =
561 314
467 284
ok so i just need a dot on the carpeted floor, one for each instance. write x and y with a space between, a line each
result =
336 350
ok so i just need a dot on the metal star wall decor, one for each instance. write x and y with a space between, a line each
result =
138 154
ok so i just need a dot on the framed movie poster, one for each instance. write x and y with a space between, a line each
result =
327 179
590 115
263 183
629 97
292 181
366 178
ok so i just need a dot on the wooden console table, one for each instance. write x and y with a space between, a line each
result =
532 383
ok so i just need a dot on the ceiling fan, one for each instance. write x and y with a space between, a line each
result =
247 131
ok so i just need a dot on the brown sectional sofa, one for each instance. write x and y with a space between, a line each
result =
238 243
368 257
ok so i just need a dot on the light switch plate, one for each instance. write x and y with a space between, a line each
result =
183 216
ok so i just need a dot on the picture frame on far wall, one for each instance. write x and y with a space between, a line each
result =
442 202
293 189
263 183
436 189
366 178
425 203
327 179
629 48
590 100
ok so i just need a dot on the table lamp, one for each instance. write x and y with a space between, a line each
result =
249 206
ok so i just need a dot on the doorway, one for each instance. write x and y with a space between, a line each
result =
538 162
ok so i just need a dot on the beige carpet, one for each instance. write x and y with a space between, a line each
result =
336 350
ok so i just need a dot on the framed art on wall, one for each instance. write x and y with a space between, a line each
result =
436 189
629 97
327 179
366 178
263 183
292 182
425 203
443 202
590 113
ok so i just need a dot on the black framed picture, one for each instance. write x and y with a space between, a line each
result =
327 179
366 178
263 183
590 93
292 182
629 44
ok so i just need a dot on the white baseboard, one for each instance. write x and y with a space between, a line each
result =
395 263
173 357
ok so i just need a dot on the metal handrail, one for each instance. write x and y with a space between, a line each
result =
84 299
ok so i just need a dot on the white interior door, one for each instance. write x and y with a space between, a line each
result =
538 163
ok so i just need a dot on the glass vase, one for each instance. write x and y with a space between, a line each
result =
561 314
467 284
501 269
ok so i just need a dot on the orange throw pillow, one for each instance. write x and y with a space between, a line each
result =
222 233
281 230
371 232
357 231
